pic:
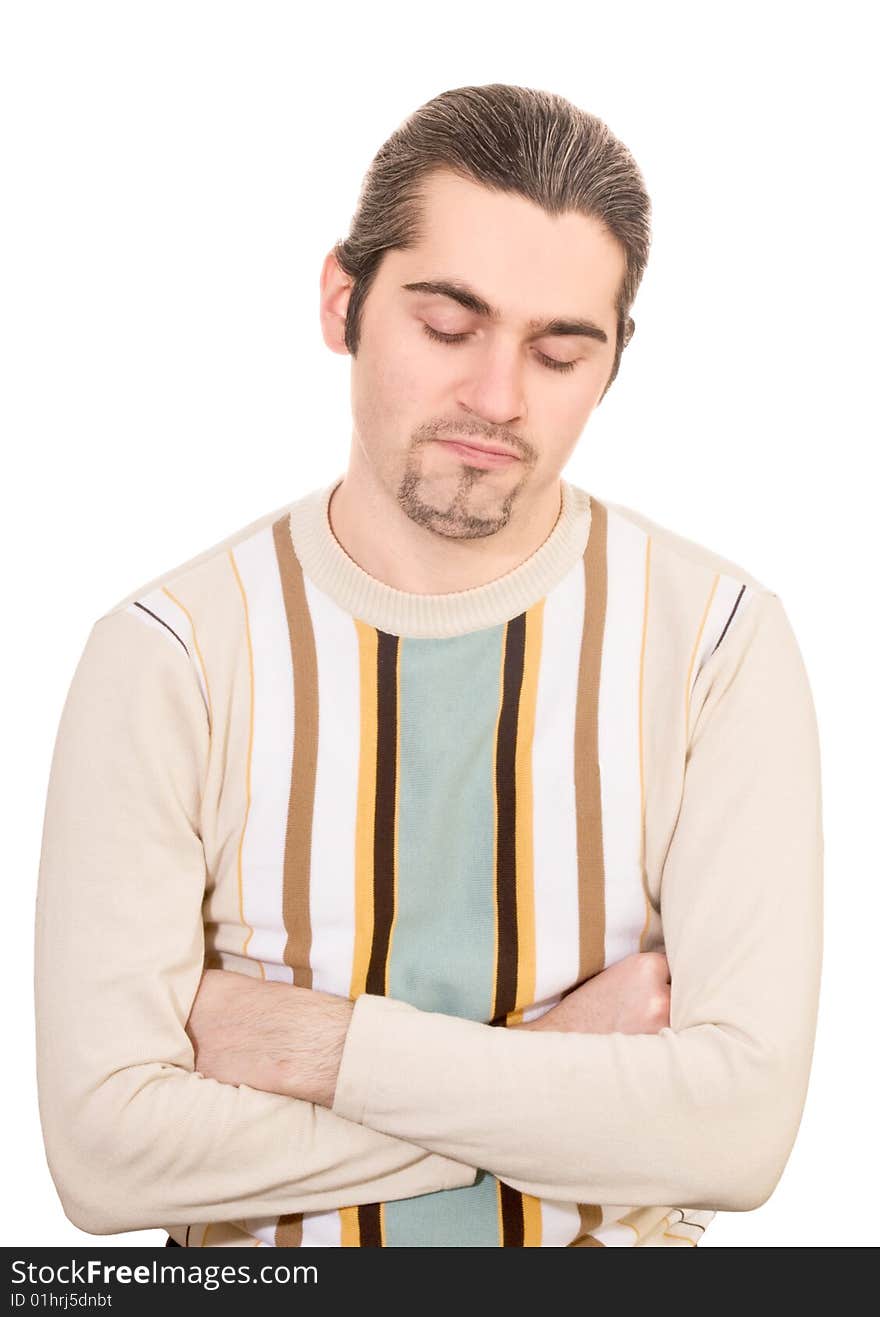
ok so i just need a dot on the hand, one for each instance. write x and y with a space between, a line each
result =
273 1036
630 996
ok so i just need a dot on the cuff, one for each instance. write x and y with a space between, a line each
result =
372 1021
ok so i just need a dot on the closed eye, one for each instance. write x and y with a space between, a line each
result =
452 339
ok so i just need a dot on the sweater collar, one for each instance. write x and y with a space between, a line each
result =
402 613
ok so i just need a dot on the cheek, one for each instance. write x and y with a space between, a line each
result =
412 373
395 388
595 375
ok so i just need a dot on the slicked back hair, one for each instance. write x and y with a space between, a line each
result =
527 142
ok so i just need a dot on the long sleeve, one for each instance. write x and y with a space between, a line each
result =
705 1113
134 1136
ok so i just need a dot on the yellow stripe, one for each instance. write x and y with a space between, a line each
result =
192 624
525 852
640 1214
366 809
349 1231
532 1221
667 1234
247 627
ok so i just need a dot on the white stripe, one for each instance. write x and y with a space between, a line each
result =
262 1228
619 738
331 885
560 1224
266 830
319 1229
322 1230
616 1236
557 952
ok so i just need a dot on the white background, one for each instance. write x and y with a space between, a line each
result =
173 174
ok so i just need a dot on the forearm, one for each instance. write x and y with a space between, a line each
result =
685 1119
554 1116
134 1136
269 1035
705 1113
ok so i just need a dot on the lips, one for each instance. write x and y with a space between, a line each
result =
480 448
480 458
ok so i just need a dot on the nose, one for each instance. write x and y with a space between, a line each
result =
493 388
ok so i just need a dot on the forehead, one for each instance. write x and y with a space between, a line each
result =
524 261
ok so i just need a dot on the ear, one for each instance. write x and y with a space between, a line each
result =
629 330
336 288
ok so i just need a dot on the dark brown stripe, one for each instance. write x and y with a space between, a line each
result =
385 811
144 608
730 619
505 822
588 794
685 1222
370 1225
301 798
512 1224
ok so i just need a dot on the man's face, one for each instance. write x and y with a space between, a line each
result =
506 382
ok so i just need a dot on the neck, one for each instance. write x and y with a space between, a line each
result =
387 544
445 613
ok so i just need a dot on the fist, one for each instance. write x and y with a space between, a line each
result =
630 996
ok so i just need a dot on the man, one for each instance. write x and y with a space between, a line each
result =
438 860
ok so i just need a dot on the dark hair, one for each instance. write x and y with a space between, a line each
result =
511 139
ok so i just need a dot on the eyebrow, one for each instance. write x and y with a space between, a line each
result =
471 300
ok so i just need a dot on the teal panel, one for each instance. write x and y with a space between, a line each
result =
450 1218
443 948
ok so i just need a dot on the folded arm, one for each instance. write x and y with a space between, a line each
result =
134 1136
703 1114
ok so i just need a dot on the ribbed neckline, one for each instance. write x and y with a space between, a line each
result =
401 613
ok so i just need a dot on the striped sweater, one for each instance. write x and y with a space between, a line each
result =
452 809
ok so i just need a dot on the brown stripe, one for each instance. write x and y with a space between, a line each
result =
512 1224
301 800
505 820
289 1230
370 1223
590 1215
385 815
591 862
588 795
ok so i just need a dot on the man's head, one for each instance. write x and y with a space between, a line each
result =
513 218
